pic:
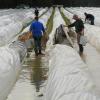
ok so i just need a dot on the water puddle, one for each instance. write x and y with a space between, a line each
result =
38 72
32 80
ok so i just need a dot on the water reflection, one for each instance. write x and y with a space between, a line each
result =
38 73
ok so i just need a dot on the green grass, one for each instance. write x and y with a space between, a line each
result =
49 24
67 21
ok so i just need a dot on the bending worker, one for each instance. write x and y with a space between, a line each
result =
89 17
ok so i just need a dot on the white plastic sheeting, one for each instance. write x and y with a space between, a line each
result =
41 10
93 35
19 47
11 28
9 68
8 32
69 77
29 16
15 15
18 15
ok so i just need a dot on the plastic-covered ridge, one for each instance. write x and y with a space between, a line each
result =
69 77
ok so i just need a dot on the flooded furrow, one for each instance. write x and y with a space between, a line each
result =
38 71
32 80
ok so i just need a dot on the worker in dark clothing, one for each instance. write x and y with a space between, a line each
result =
89 17
36 12
79 28
37 30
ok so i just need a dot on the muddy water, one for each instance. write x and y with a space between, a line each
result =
32 80
39 69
